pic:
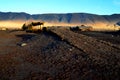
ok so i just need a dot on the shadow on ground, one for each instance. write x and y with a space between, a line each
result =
26 37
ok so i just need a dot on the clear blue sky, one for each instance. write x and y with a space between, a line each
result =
101 7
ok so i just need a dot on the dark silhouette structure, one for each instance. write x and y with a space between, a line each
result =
33 26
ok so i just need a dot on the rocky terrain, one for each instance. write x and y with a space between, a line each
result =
59 54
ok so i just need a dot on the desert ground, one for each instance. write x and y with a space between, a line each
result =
59 54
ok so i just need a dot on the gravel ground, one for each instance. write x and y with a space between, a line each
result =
57 55
112 37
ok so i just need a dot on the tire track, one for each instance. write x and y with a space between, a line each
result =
94 47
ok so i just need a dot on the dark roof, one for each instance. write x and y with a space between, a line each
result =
37 23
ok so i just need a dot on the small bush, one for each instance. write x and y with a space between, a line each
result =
24 27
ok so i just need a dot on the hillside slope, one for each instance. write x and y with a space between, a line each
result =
69 18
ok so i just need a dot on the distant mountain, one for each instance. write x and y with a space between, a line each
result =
74 18
14 16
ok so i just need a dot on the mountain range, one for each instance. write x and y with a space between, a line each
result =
68 18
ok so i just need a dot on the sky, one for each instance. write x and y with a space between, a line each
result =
101 7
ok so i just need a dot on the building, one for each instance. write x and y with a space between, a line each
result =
33 26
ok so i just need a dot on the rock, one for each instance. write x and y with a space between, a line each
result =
23 44
112 36
70 49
